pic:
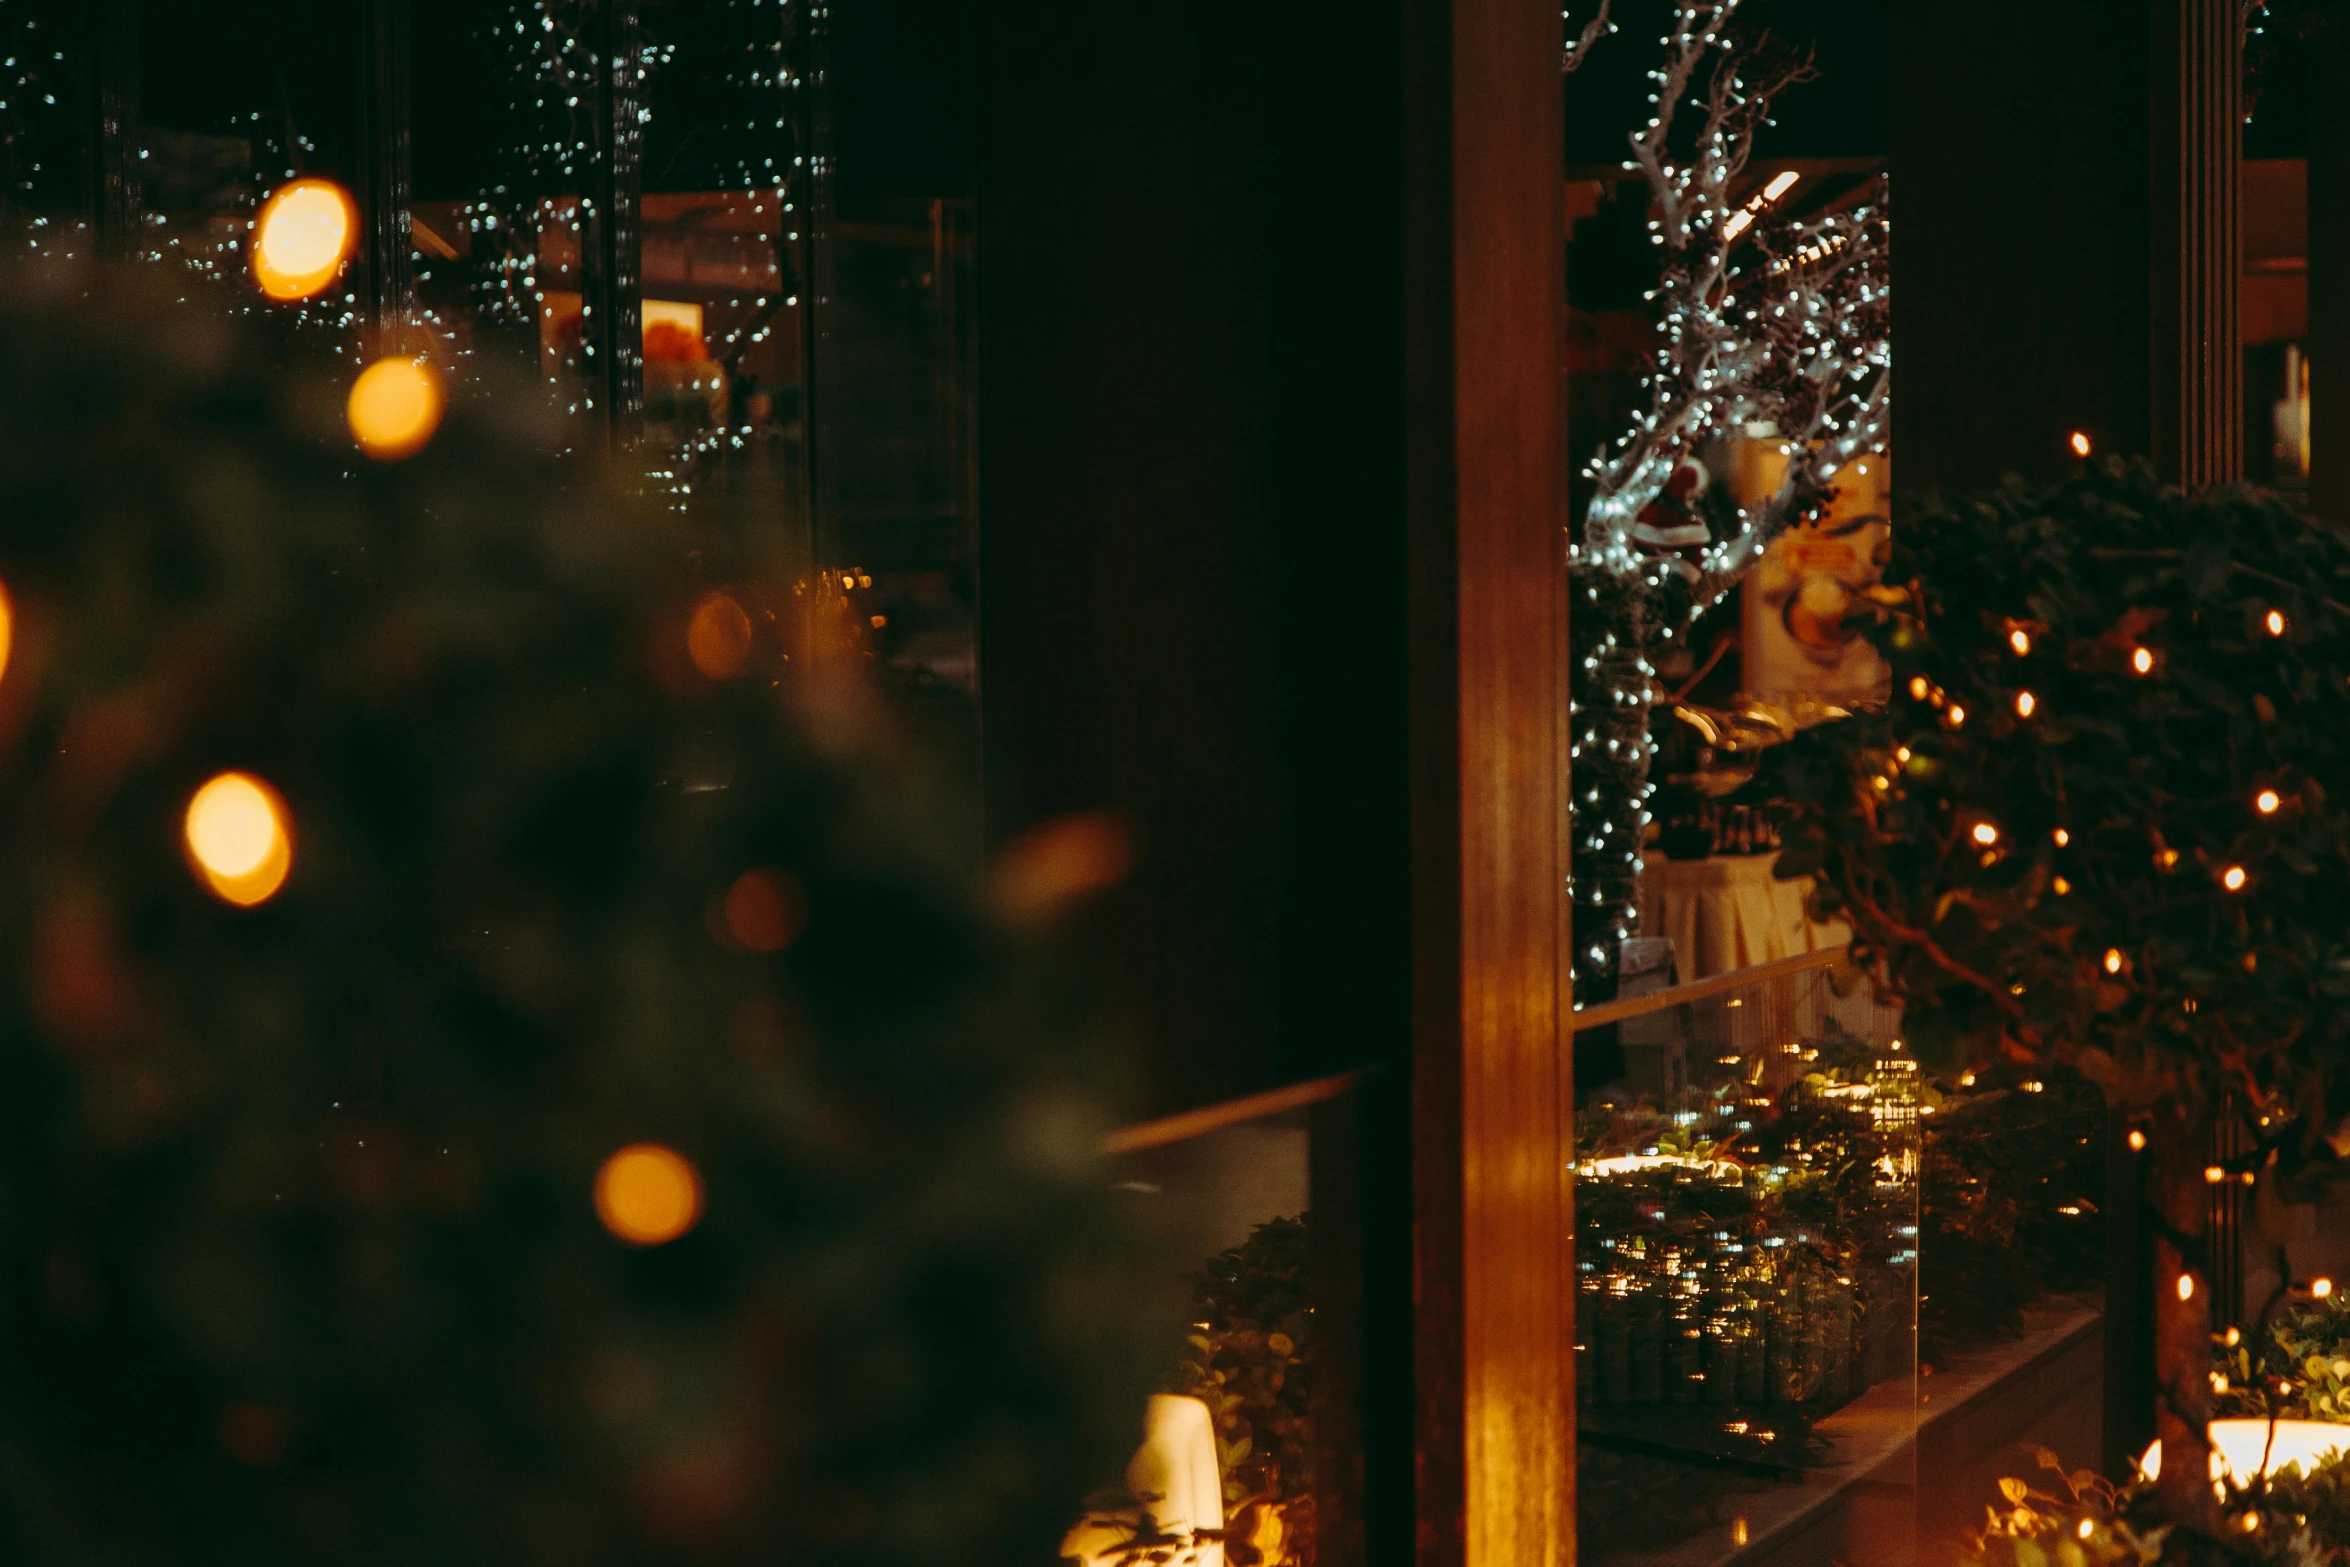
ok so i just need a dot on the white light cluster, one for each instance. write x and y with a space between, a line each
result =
1758 320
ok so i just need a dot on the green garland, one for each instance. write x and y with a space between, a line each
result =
298 1261
1250 1358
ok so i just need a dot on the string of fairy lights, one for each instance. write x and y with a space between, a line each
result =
736 78
1763 322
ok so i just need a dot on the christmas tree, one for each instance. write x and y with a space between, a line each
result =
480 1082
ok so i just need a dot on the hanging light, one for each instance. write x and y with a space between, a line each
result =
395 406
239 838
648 1195
301 238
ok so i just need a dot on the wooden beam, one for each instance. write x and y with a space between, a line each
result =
1492 1114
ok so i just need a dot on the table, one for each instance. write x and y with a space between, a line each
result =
1729 913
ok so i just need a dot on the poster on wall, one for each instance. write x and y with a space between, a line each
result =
1800 653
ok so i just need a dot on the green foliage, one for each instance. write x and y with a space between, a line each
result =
297 1256
2303 1366
1250 1361
2011 1182
2087 1521
2120 950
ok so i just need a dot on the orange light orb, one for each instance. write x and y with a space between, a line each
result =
239 838
1986 834
2063 887
648 1195
2233 878
2137 1141
2080 443
2025 702
7 627
2265 802
2186 1286
2142 661
718 637
2276 622
2021 641
1957 715
395 407
2113 960
301 238
2321 1288
765 911
1919 685
2062 837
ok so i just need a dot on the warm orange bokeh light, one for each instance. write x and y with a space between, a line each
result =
7 627
648 1195
2025 703
239 838
301 237
718 637
2276 622
764 910
2233 878
2142 661
2021 641
2080 443
395 407
2266 802
2113 960
1986 834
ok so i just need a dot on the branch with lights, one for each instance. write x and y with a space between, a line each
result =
2098 827
1762 319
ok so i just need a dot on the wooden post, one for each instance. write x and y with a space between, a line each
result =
2198 241
1493 1122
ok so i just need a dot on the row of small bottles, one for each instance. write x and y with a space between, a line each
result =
1794 1333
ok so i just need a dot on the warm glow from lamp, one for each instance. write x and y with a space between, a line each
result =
395 407
648 1195
2186 1286
1919 685
2113 960
7 627
301 237
2063 887
2276 622
2266 802
2080 443
2062 837
2239 1446
2142 661
2321 1288
1957 715
1986 834
2233 878
239 838
2137 1140
718 636
2021 641
2025 702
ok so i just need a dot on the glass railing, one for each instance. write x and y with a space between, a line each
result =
1747 1195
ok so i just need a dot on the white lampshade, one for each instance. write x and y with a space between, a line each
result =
2237 1447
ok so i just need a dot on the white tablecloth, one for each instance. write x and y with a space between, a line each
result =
1729 913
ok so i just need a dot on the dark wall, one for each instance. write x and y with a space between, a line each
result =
1192 561
2021 273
